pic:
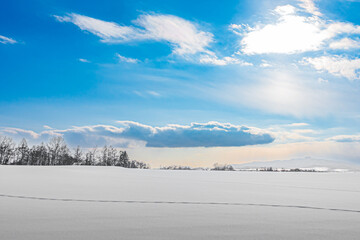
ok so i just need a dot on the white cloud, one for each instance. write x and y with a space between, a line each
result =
345 43
292 32
294 132
297 125
147 93
138 93
265 64
336 65
211 134
183 35
322 81
285 10
47 127
107 31
214 60
126 59
153 93
20 133
293 136
240 29
6 40
345 138
310 7
83 60
304 131
334 28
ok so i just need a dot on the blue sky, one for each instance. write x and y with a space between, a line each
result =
185 82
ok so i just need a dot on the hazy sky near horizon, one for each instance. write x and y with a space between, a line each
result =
185 82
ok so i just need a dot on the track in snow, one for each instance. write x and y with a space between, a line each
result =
177 202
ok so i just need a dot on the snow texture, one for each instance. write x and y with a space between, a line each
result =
80 202
303 163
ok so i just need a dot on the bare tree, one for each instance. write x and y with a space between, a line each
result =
39 155
224 167
22 153
6 150
123 159
56 152
57 149
104 156
112 156
90 157
78 156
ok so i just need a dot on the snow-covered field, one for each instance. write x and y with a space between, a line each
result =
114 203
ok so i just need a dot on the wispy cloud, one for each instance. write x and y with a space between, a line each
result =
19 133
304 131
183 35
211 134
336 65
310 7
148 93
345 43
154 93
7 40
322 81
107 31
296 125
345 138
211 59
126 59
83 60
295 132
265 64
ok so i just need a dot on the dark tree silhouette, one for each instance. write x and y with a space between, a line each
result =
22 153
225 167
56 152
6 150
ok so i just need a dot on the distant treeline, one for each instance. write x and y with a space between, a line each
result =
271 169
217 167
56 152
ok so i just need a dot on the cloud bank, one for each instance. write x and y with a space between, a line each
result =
345 138
211 134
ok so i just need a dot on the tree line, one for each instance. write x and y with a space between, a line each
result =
56 152
217 167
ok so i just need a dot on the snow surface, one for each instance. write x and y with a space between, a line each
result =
245 205
303 163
